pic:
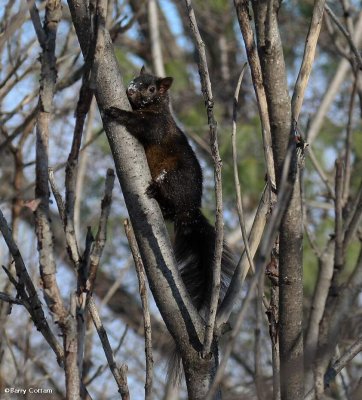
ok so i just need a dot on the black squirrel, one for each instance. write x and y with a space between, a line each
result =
176 183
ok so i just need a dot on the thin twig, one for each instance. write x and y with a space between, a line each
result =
70 339
234 334
103 367
236 174
57 196
219 225
333 88
119 373
348 142
83 169
34 14
347 14
90 262
242 8
352 223
341 363
338 218
273 318
339 302
101 235
55 168
154 31
9 299
30 296
338 366
308 58
84 102
312 240
240 273
265 248
258 369
320 172
42 226
346 34
325 273
145 307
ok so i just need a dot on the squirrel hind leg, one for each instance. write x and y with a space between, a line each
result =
154 191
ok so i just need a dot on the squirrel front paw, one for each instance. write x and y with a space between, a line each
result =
116 114
112 112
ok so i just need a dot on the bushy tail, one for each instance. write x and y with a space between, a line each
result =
194 250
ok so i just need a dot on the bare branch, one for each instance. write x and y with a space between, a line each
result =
325 273
336 310
320 172
338 366
242 9
240 273
273 318
333 88
338 227
9 299
119 373
236 175
145 307
34 14
83 168
57 196
354 218
348 142
43 231
308 58
30 296
101 235
258 366
84 102
70 338
14 23
155 41
342 362
219 225
346 34
264 250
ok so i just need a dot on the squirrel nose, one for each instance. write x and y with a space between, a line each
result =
130 92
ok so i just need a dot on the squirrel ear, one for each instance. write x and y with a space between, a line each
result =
165 84
143 70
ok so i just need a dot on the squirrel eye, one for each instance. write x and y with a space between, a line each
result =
152 89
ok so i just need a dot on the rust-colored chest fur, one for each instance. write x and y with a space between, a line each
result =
160 159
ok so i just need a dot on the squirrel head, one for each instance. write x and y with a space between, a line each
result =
147 90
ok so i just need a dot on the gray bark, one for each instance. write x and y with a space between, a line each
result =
291 235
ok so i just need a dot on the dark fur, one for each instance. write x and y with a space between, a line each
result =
176 184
